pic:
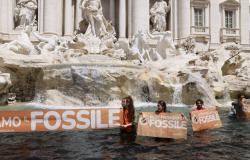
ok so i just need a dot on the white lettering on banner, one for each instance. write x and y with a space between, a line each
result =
6 122
34 119
205 118
9 122
99 119
57 120
81 119
162 123
93 119
113 118
52 120
16 122
69 120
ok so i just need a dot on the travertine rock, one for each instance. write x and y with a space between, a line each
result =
5 84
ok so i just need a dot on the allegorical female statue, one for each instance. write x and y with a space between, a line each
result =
158 16
25 13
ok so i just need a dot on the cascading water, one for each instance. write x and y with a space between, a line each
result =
227 99
177 99
177 95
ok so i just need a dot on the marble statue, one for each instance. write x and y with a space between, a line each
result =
22 45
188 45
95 35
25 13
158 16
51 44
92 13
148 47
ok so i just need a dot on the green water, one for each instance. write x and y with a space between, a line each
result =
18 107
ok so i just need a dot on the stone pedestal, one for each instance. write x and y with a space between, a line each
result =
78 16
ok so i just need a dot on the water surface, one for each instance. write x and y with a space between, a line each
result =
230 142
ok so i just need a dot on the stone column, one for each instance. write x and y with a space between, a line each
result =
216 22
130 19
174 18
207 16
122 19
10 13
244 22
53 16
140 15
40 16
68 18
112 11
184 18
6 16
78 17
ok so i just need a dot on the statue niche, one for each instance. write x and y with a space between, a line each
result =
25 14
159 16
95 34
94 20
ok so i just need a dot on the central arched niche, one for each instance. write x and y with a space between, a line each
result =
110 10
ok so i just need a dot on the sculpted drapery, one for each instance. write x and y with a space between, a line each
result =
158 15
92 13
25 13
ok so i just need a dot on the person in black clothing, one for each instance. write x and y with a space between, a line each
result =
237 106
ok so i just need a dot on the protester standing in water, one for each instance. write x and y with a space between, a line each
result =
199 104
161 107
128 131
237 106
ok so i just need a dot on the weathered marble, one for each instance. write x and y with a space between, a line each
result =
158 16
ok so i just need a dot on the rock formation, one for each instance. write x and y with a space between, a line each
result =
5 84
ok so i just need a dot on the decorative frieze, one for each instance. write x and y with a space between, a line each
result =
200 3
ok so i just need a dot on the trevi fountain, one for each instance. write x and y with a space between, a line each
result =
63 53
94 67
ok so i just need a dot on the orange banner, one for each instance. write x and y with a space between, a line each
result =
60 120
164 125
205 119
246 107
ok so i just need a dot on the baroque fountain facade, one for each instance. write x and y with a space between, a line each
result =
94 66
